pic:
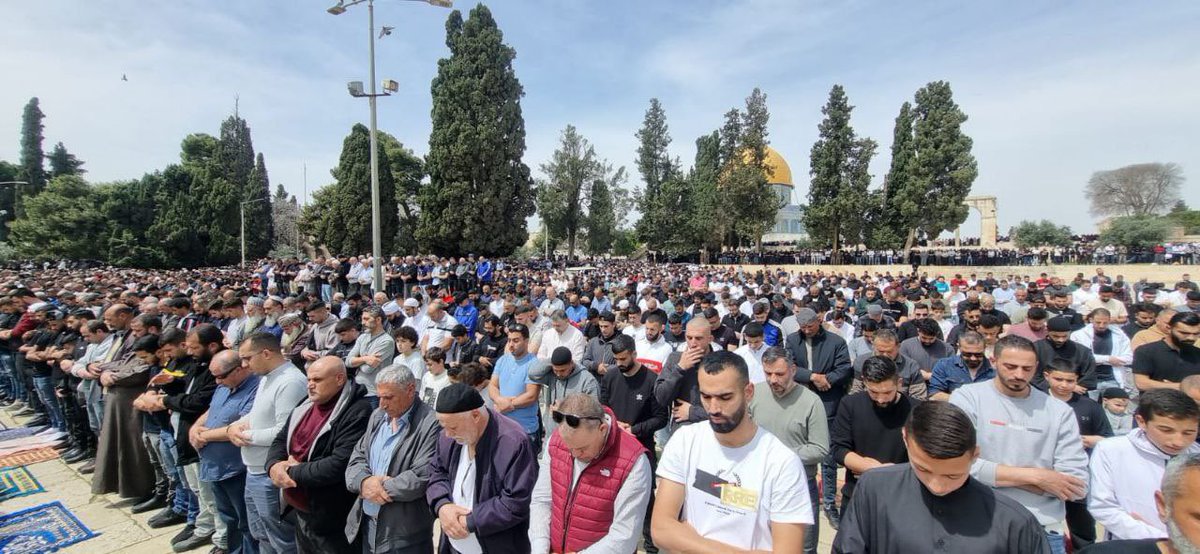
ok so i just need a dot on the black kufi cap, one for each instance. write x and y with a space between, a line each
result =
458 398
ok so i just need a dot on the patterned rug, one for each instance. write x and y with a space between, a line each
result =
29 457
43 528
16 482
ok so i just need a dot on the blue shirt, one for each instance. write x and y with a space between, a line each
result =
223 460
951 373
602 305
577 314
514 375
380 456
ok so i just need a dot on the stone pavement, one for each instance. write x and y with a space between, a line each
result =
127 533
108 515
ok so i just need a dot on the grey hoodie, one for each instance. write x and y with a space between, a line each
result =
1035 431
554 389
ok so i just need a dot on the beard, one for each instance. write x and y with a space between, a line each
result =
731 421
253 322
290 337
1178 539
270 321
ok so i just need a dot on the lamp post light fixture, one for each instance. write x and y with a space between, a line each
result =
243 213
356 90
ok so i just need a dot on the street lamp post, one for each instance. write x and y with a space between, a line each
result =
356 91
243 213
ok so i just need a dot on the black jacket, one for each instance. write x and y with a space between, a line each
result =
1078 356
323 475
831 357
190 403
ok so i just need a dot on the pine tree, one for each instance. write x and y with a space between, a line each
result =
339 215
61 222
236 164
260 237
601 221
32 169
703 200
945 168
837 195
408 174
63 162
480 191
900 201
562 198
656 167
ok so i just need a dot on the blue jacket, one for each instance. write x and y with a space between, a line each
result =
468 316
951 373
484 271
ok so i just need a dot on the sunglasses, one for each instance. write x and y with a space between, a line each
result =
572 420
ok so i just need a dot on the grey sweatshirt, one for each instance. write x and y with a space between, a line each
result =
1035 431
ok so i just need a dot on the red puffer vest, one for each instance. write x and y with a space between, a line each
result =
582 516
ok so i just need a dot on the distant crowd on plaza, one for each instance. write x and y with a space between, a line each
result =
1080 253
539 406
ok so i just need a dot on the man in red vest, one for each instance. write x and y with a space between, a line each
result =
593 486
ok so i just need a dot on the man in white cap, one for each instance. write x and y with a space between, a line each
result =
414 316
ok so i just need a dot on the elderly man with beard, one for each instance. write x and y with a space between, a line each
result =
593 486
1178 507
729 485
390 469
929 503
796 416
1058 346
482 477
294 338
308 458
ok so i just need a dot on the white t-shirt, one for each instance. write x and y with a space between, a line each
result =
463 495
733 494
431 385
652 354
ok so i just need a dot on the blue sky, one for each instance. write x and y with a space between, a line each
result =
1054 90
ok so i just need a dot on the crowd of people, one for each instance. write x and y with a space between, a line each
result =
1080 253
534 407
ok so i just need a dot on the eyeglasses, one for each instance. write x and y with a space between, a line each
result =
572 420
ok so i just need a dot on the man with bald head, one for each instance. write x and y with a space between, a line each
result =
220 460
308 458
677 386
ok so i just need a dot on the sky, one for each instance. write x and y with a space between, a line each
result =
1053 90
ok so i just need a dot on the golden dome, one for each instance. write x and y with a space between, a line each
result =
777 170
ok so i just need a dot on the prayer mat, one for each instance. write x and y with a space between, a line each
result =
16 482
29 457
19 433
44 528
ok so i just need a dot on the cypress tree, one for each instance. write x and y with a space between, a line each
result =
899 203
837 195
480 191
260 236
408 174
601 220
339 215
945 169
656 168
